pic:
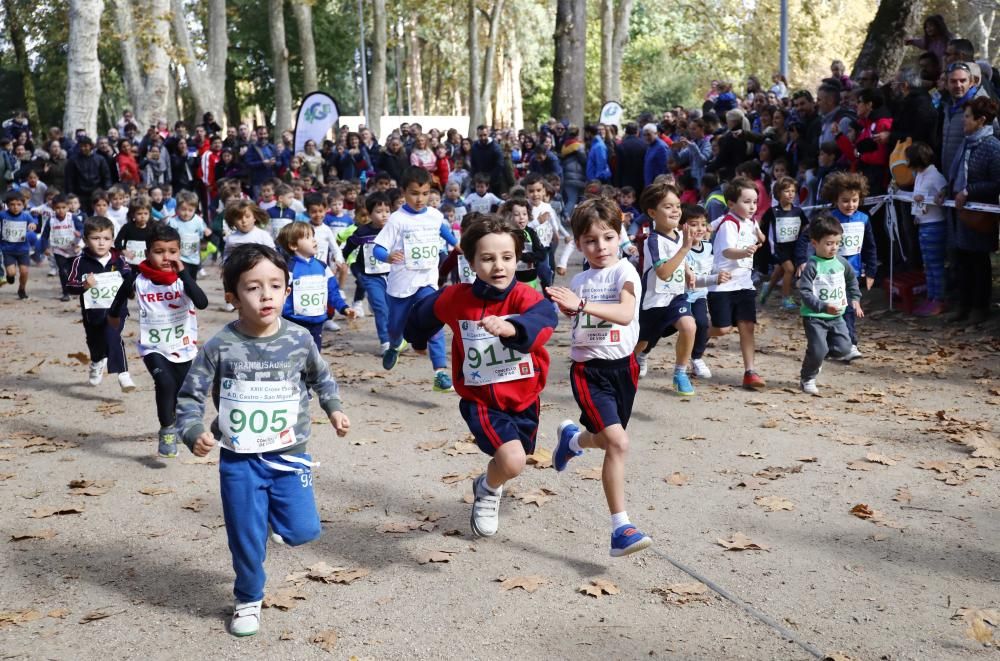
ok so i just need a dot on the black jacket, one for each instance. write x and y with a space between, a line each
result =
630 156
85 174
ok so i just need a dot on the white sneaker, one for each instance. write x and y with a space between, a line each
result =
852 354
53 273
228 307
202 274
97 372
246 619
331 325
699 369
126 382
359 309
383 348
485 518
809 387
642 359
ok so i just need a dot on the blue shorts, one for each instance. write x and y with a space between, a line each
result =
727 308
655 323
14 259
605 391
492 428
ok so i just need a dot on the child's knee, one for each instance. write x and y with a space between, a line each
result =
687 326
788 268
302 533
616 439
721 330
511 458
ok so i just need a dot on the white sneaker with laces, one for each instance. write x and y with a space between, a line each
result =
485 509
852 354
126 382
642 359
246 619
331 325
97 372
809 387
699 369
383 348
359 309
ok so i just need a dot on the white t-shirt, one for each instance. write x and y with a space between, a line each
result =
327 250
117 216
737 234
596 338
419 237
928 183
481 203
256 235
544 229
658 292
191 232
700 260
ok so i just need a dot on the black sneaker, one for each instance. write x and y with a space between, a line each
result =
21 294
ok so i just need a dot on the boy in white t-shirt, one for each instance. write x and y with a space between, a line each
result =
482 200
604 304
410 242
732 304
544 220
191 228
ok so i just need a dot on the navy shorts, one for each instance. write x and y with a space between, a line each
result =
605 391
492 428
727 308
15 259
784 252
655 323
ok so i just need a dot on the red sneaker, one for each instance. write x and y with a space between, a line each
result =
753 381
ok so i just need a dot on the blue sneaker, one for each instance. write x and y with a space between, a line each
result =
789 304
628 539
563 453
682 384
442 382
167 445
389 358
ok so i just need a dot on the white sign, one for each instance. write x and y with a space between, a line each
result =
317 115
612 113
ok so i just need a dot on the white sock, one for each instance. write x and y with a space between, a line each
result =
574 443
680 368
490 490
618 520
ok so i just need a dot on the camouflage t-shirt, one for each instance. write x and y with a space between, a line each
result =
232 362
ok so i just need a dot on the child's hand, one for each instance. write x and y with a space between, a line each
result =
129 254
688 237
91 281
564 297
208 232
560 270
725 276
203 445
918 198
397 257
799 269
340 423
869 282
32 227
175 264
48 252
751 249
496 326
349 312
545 217
690 279
632 250
831 309
857 309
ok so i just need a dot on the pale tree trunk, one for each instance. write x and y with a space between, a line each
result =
623 12
984 22
415 69
131 70
568 72
146 63
490 65
83 85
207 85
279 67
607 49
175 105
377 93
883 49
16 28
517 101
307 44
475 99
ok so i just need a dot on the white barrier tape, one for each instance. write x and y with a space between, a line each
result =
907 196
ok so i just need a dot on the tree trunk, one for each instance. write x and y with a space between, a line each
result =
279 67
607 49
17 32
157 64
490 65
984 22
131 71
415 67
233 110
207 86
623 12
568 71
883 49
307 44
475 98
517 101
377 91
83 85
146 64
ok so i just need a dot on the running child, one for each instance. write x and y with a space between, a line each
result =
15 223
482 200
828 286
315 291
249 224
133 238
410 242
499 362
783 224
96 276
665 308
282 213
64 237
455 266
701 262
604 303
336 218
117 210
544 221
168 325
369 271
192 229
259 370
532 250
733 304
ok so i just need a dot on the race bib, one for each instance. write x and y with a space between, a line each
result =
487 360
465 272
854 234
190 247
420 248
102 294
373 265
544 232
590 331
257 416
831 289
277 224
526 250
309 295
15 231
62 237
786 230
166 329
138 249
674 285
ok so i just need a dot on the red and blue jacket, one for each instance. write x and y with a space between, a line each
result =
532 316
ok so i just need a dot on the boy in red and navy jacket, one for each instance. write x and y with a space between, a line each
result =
499 361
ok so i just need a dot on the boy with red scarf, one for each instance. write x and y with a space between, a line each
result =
499 362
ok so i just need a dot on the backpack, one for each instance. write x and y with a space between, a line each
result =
901 172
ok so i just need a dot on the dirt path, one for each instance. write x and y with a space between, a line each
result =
144 557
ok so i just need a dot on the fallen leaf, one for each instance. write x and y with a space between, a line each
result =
677 479
939 466
283 599
537 497
431 445
35 368
348 576
45 512
7 476
980 631
110 408
399 526
774 472
902 495
806 460
693 437
207 460
526 583
90 487
540 458
597 587
80 356
98 614
195 505
989 615
59 613
740 542
434 556
771 423
678 594
774 503
876 458
326 640
462 447
455 478
859 466
838 656
19 617
755 454
155 491
863 511
37 534
594 473
286 635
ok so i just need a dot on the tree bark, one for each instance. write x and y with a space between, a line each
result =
415 67
279 67
307 44
568 72
490 64
623 12
475 98
883 49
83 84
517 101
377 91
207 85
143 32
16 28
607 49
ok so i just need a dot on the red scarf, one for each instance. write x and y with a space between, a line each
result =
157 276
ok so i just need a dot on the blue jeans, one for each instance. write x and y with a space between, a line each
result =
374 286
254 495
399 310
932 248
